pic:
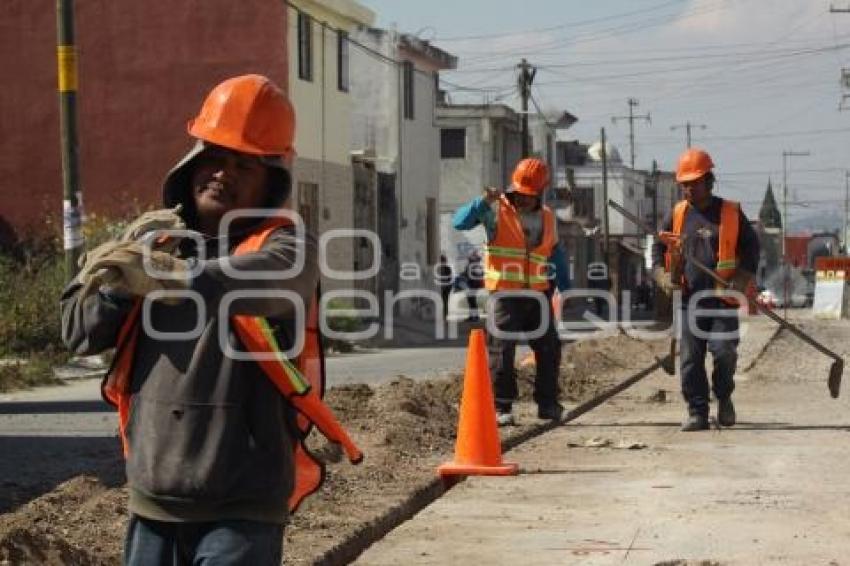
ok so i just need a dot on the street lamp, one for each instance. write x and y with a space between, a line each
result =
785 271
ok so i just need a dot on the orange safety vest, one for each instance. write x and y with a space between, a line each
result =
509 263
727 259
301 383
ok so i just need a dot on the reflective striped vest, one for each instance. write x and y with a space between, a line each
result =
301 382
727 259
509 263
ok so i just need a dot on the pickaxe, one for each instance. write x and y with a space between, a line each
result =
837 368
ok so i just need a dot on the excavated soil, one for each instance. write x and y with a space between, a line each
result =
405 428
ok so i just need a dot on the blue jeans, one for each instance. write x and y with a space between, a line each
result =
227 542
724 355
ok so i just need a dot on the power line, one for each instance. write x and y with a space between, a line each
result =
773 171
619 30
540 113
702 56
560 26
744 137
690 68
695 48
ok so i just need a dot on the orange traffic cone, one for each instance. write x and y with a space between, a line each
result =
477 450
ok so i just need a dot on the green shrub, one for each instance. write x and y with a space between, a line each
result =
37 371
342 321
32 277
29 301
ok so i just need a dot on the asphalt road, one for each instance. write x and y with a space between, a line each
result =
76 409
51 434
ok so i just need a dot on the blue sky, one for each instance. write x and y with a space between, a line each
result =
763 76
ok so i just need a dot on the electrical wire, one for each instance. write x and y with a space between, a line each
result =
560 26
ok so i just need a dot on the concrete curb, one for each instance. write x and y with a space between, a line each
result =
347 550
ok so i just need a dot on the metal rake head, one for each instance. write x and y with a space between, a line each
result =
834 381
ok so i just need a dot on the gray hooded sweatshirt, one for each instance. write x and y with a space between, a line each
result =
209 436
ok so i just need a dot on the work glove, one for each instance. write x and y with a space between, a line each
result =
91 276
123 268
491 194
87 260
663 281
147 223
153 220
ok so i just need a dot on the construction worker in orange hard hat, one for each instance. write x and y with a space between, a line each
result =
524 262
715 232
214 454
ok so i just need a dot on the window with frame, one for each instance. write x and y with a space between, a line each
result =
408 84
305 47
342 68
453 143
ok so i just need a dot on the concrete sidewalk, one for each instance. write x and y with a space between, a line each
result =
772 490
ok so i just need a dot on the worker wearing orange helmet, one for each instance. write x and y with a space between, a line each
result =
522 254
717 233
213 420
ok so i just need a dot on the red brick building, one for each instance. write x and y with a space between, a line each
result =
796 250
144 68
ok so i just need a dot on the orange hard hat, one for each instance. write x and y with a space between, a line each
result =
693 164
248 113
530 177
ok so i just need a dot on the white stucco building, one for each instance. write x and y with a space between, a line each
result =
394 139
649 195
320 89
479 147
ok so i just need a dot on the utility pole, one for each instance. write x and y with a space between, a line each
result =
633 103
687 126
846 210
66 58
785 268
526 77
785 156
845 74
654 181
606 229
845 84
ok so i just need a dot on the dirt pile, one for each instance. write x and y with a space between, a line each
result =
80 522
405 428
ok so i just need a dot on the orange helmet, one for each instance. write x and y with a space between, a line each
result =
248 113
693 164
530 177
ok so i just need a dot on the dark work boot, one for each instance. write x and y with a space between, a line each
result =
695 421
550 411
725 412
